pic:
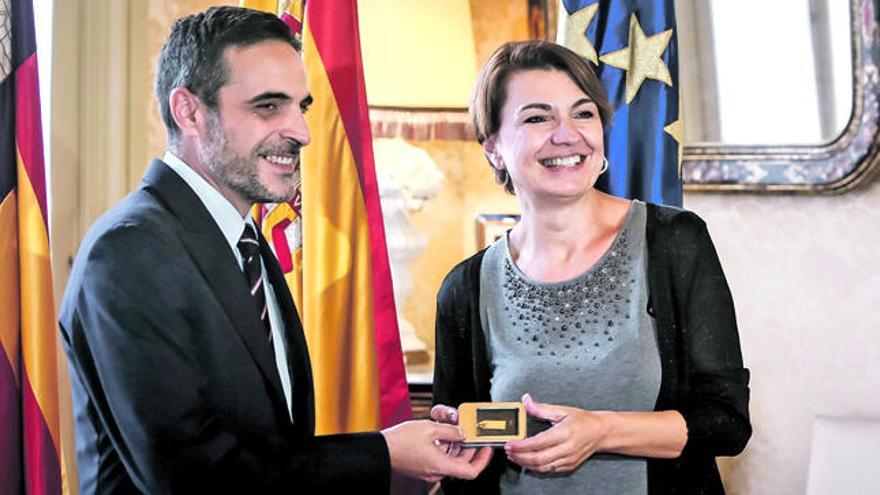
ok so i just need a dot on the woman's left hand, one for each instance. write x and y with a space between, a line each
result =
576 435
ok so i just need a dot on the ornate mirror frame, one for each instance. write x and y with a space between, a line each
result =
839 166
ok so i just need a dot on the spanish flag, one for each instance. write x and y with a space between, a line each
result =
29 426
330 239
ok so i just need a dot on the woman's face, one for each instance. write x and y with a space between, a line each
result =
550 140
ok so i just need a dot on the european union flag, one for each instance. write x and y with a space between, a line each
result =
633 44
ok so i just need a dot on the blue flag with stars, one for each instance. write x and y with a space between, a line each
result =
633 44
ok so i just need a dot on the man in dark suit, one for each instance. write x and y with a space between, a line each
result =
189 367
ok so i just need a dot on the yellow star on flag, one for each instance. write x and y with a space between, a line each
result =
575 37
641 59
676 130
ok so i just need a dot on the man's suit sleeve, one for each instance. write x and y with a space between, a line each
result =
133 347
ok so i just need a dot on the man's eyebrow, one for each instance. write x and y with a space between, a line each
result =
270 96
306 102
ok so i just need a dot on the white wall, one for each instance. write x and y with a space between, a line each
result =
805 274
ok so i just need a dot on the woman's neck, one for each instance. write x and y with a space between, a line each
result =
559 240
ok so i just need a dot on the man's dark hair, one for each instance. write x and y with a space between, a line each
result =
193 54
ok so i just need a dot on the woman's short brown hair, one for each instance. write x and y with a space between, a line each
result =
490 90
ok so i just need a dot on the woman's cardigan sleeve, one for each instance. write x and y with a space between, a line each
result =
693 303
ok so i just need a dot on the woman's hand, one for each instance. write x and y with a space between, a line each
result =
576 435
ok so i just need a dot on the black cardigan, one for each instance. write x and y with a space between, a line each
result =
702 371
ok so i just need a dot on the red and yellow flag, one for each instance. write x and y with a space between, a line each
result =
330 238
29 426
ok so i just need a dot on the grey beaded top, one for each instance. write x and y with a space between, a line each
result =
587 342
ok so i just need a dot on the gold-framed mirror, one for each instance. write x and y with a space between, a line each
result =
837 166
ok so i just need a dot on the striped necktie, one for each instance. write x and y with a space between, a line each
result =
249 248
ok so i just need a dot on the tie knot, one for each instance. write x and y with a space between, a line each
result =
248 244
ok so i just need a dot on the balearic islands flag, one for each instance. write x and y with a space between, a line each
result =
634 45
330 239
29 427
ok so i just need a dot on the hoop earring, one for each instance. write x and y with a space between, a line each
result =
604 166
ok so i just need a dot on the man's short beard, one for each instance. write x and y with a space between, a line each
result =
233 171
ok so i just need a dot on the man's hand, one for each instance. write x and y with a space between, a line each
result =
418 449
444 414
449 415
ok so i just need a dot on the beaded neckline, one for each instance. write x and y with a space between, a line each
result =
579 318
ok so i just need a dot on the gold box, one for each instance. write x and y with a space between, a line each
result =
492 423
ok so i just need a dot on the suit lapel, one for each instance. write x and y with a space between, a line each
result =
208 248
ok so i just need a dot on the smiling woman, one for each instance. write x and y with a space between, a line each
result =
550 139
613 313
506 97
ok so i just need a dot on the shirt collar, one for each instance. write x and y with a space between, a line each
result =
225 215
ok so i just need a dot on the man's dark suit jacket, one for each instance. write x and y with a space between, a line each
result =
175 387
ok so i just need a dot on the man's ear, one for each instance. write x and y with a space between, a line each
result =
186 111
490 148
